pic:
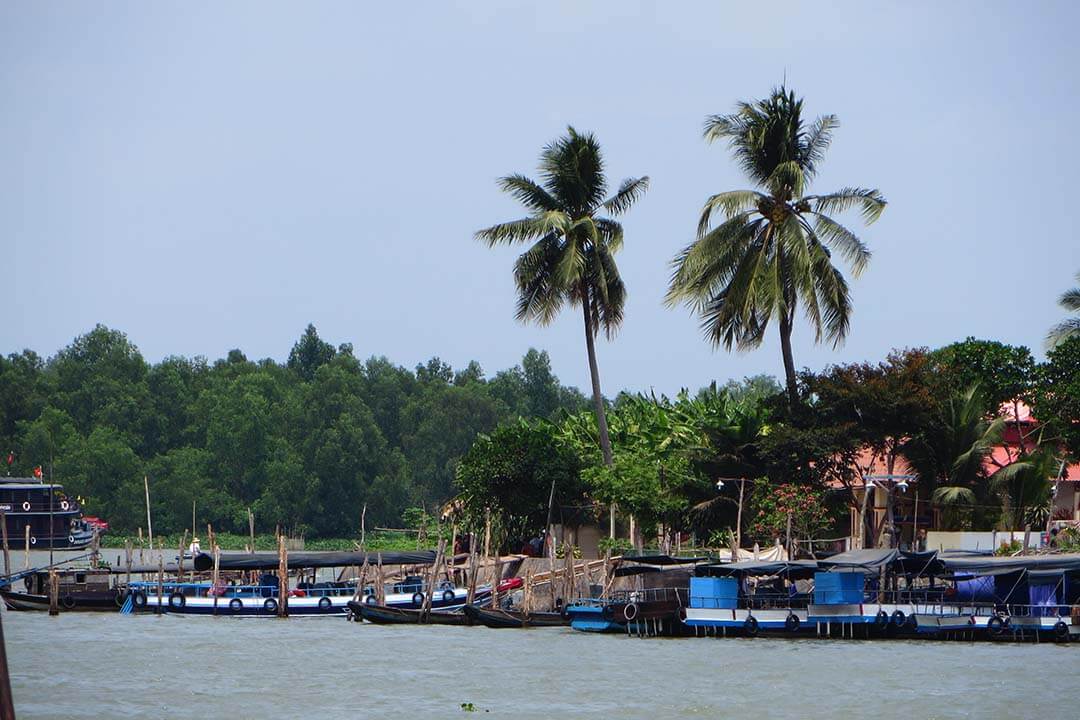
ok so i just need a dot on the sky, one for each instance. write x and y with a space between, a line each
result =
209 176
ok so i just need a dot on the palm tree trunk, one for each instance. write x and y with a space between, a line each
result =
594 373
789 359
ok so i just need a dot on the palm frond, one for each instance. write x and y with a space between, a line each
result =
514 231
540 297
731 203
871 203
628 193
787 180
818 139
710 261
1062 332
528 193
1070 300
839 238
954 495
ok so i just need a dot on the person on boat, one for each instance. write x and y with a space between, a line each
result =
193 548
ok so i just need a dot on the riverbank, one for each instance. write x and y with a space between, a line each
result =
373 541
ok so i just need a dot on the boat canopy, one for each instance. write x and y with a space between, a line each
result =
204 562
869 559
791 568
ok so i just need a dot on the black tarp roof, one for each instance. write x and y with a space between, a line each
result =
662 560
869 559
204 562
792 568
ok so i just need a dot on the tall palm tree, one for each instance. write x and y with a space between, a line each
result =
1070 300
773 249
571 253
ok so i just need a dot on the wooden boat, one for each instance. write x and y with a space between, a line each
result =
81 589
499 618
384 615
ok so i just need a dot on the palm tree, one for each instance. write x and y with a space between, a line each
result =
774 247
571 253
1070 300
950 458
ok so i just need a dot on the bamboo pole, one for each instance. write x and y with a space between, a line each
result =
141 560
283 578
7 551
251 529
26 550
149 525
551 571
526 595
363 529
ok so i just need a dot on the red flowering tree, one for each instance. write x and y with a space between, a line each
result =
773 504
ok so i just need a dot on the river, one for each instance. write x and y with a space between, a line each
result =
88 665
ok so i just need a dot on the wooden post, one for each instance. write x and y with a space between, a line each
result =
380 581
526 595
551 571
160 581
453 552
180 557
487 533
470 596
363 522
149 525
127 560
738 516
495 580
251 529
7 552
7 705
54 592
26 550
283 578
790 556
141 561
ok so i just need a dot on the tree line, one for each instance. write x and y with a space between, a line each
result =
305 444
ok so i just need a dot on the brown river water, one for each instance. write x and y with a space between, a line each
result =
88 665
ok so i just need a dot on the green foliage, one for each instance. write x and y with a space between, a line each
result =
773 249
1069 327
772 505
1056 398
1002 372
305 445
514 472
616 546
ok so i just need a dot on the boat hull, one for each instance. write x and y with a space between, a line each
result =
91 601
383 615
495 618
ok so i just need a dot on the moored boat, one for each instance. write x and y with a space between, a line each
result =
384 615
501 618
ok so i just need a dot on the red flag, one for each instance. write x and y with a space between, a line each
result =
37 471
10 457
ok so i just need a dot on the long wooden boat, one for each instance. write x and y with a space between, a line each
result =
499 618
384 615
80 589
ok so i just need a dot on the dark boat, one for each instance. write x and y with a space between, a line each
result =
383 615
498 618
55 520
80 589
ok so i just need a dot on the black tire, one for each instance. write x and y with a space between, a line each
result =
270 605
1061 630
236 605
67 601
448 596
177 601
608 612
899 618
119 598
680 614
417 599
138 599
630 612
792 623
750 626
564 612
371 599
881 619
324 603
995 625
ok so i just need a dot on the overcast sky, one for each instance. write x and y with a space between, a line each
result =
205 176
